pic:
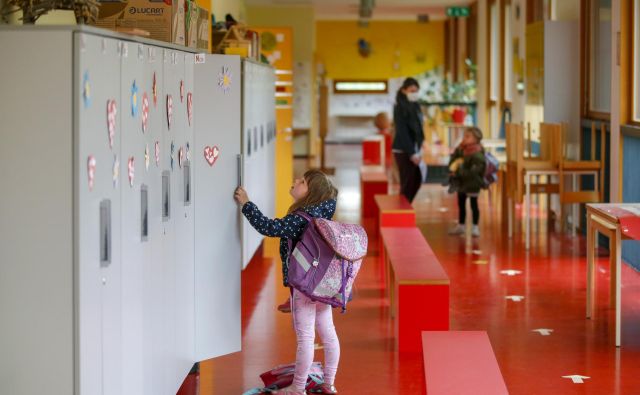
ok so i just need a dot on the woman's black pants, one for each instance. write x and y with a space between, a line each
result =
410 176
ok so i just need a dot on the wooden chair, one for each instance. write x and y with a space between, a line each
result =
592 165
521 160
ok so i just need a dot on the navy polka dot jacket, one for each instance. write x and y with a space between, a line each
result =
290 227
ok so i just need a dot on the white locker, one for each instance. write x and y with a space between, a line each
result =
135 188
217 218
257 107
155 353
98 265
98 61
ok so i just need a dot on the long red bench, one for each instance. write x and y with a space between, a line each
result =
373 181
417 284
394 211
461 363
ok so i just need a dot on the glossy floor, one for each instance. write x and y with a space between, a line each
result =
551 284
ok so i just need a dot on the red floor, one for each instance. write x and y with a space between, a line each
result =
552 284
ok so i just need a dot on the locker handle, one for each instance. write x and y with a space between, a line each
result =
240 169
166 195
187 182
144 212
105 233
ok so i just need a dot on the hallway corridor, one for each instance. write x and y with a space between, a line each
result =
551 282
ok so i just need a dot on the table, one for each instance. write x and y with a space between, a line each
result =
617 221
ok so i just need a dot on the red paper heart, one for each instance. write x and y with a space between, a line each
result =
211 154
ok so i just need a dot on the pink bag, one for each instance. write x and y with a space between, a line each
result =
282 376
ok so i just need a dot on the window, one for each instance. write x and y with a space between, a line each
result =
598 92
359 86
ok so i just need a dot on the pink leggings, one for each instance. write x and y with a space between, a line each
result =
306 315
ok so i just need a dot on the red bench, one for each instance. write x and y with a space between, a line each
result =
461 363
394 211
417 284
373 181
373 152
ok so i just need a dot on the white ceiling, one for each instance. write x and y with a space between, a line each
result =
384 9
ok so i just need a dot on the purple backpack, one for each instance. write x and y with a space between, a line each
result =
325 261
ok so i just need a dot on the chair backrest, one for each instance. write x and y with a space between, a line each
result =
551 150
514 140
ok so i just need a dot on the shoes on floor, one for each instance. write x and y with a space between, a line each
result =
285 307
475 231
324 389
290 391
457 230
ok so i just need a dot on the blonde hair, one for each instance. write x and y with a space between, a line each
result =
319 187
381 120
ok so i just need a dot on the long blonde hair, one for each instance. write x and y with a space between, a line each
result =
319 187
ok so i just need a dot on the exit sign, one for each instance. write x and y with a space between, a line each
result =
458 12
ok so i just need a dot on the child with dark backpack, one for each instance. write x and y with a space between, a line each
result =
467 177
315 199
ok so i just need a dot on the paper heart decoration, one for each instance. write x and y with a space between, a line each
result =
91 170
189 107
112 111
131 167
211 154
169 110
180 156
145 112
154 90
157 153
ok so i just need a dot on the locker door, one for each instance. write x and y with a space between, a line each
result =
185 286
169 163
217 236
135 191
155 353
176 257
98 225
252 171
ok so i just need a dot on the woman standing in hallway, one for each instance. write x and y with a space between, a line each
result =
315 195
407 143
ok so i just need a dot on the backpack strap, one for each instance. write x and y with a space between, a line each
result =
304 215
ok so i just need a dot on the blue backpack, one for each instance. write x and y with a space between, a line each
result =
491 169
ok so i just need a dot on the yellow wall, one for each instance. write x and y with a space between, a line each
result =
403 42
299 18
220 8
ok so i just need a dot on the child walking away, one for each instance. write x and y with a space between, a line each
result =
467 172
315 203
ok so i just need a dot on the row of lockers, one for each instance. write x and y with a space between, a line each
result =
121 265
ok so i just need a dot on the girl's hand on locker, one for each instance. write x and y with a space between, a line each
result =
240 195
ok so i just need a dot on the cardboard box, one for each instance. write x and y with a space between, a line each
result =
191 23
204 29
164 20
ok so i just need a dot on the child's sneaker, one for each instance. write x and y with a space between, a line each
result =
290 391
475 231
324 389
457 230
285 307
